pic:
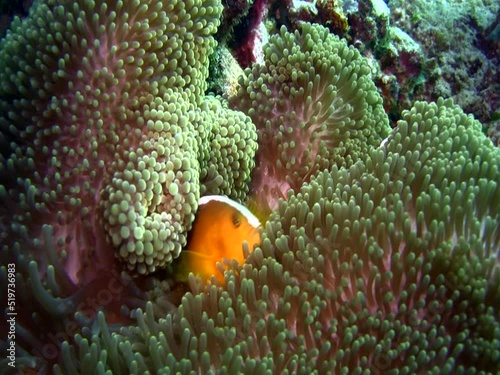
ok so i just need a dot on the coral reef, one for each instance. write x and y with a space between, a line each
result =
236 12
224 73
493 130
328 13
369 20
460 61
250 35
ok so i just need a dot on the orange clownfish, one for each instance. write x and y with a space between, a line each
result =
219 230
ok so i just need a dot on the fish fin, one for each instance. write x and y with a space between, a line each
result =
260 211
198 255
183 268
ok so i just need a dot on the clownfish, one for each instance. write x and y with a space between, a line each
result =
219 230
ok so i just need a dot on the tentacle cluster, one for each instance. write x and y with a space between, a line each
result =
104 130
388 266
314 104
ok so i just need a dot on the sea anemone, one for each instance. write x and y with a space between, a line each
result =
104 126
228 151
388 266
103 130
383 258
78 82
314 104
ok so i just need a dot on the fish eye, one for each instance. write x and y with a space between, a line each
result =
236 219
